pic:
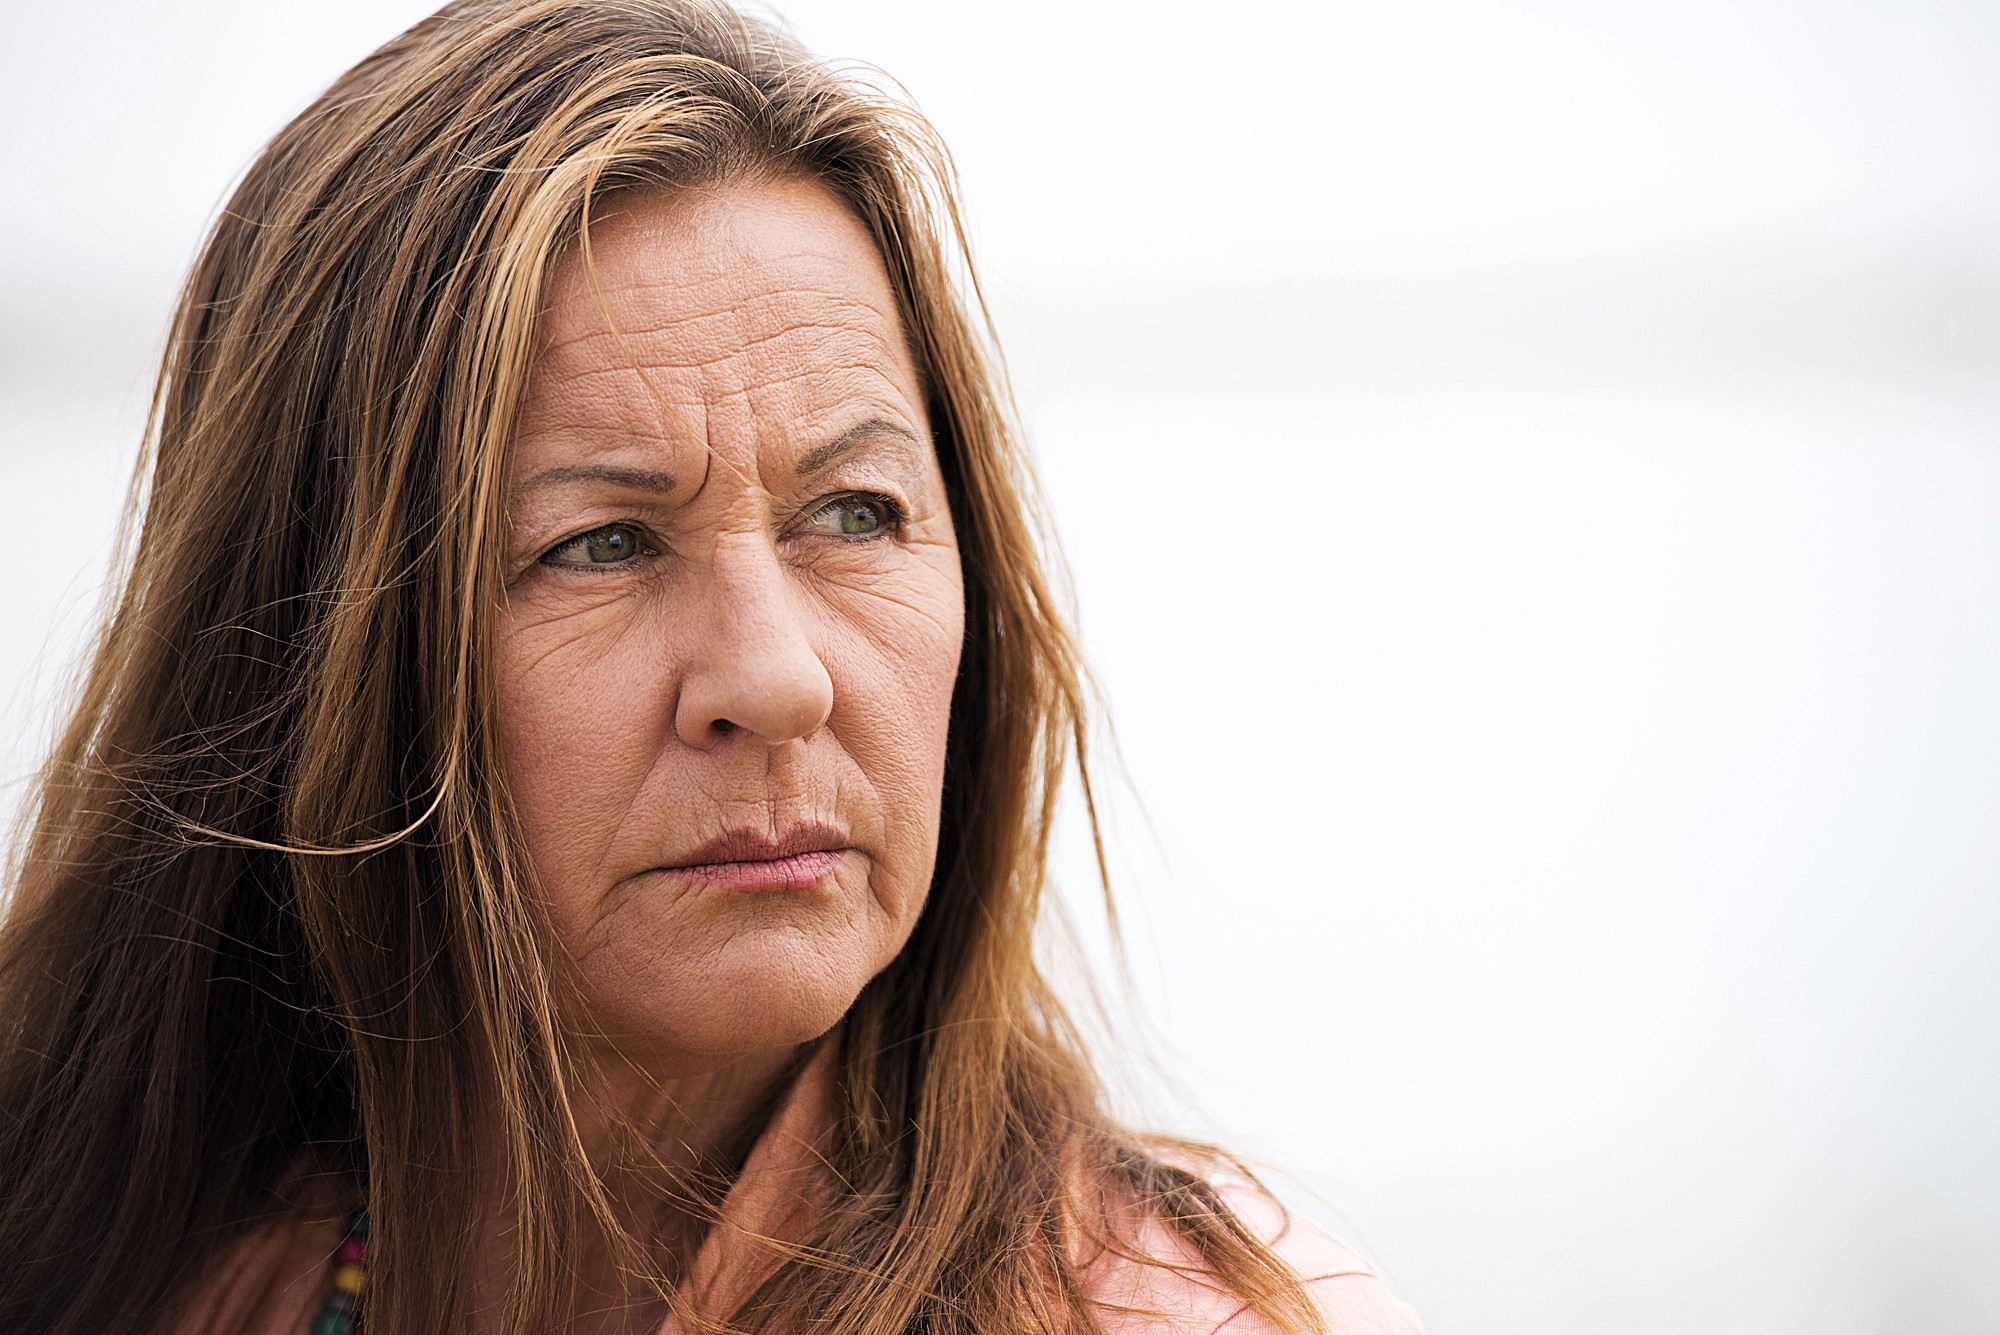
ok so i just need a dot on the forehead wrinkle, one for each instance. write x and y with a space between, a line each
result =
689 343
781 371
803 406
693 344
552 345
874 423
659 321
793 308
794 406
586 408
748 347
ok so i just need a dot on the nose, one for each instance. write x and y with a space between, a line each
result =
751 663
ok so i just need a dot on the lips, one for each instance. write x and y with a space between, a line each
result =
799 858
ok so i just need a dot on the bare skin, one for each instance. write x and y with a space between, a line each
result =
734 612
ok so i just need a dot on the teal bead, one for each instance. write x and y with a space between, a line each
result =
357 1224
332 1323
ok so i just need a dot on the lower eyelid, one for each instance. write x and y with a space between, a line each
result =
644 553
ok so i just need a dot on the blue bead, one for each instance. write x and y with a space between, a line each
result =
342 1301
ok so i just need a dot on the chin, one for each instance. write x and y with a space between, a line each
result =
705 1014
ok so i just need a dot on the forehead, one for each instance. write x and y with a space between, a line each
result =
742 314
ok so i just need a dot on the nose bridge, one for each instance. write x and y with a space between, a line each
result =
752 664
748 577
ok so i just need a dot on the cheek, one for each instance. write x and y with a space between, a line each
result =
581 722
894 667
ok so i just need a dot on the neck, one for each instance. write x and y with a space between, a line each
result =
667 1148
637 1120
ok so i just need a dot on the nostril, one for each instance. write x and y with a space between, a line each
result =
722 727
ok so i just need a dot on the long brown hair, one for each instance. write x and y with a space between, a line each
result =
272 909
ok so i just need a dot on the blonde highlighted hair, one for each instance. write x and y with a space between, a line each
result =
271 908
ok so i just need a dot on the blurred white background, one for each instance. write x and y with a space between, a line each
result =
1532 476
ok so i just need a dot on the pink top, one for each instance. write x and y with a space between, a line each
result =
276 1279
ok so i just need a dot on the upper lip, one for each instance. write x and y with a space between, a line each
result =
756 846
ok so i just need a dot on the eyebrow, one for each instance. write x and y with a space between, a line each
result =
646 479
639 479
820 456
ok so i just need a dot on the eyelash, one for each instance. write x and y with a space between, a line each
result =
894 516
893 513
643 541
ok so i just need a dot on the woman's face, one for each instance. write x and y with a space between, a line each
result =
732 623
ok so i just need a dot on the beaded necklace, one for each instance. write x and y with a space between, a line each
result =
349 1274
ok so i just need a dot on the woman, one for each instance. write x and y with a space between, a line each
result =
552 832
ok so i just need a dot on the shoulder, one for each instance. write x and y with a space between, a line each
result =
272 1277
1171 1292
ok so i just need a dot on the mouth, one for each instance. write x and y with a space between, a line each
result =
749 861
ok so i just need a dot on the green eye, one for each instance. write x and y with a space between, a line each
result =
857 516
614 544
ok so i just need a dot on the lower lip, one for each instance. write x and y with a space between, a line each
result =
800 871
